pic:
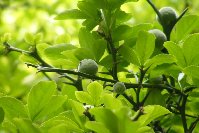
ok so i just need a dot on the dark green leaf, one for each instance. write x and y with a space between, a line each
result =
129 55
2 113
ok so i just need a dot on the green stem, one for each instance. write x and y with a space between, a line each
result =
34 55
111 47
183 114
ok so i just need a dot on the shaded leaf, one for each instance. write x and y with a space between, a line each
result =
129 55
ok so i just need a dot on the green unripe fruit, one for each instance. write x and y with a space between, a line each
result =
160 38
88 66
168 16
119 88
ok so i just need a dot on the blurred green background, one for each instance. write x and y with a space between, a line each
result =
37 16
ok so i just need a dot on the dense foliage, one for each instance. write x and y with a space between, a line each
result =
125 75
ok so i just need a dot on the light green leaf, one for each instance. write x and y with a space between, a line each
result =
151 112
192 71
160 59
107 117
53 123
145 46
71 14
129 55
84 97
13 107
190 49
39 96
49 108
78 111
25 126
54 52
98 127
29 38
111 102
176 50
95 90
185 26
145 129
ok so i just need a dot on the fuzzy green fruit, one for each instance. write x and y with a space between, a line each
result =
119 87
88 66
169 16
160 38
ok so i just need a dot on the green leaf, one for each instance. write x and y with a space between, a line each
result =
192 71
54 52
13 107
78 111
185 26
95 90
175 50
85 38
98 127
2 113
71 14
69 125
129 55
88 8
151 112
107 117
98 49
106 62
84 97
84 53
145 129
190 49
25 126
111 102
160 59
39 96
194 106
49 108
145 46
124 32
122 16
29 38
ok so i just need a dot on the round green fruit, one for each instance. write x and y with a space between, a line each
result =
88 66
160 38
119 88
168 15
